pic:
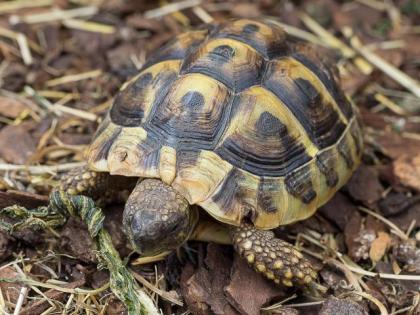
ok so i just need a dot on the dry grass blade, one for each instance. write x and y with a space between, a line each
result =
76 112
390 44
58 94
393 227
353 279
334 42
279 304
354 269
155 289
89 26
383 65
11 6
74 77
304 304
54 15
24 49
297 32
388 103
19 303
150 259
171 8
202 14
374 4
59 109
22 42
384 275
31 282
41 169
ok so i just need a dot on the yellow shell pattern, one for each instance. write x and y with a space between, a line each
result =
239 120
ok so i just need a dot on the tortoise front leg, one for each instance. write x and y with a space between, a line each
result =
100 186
276 259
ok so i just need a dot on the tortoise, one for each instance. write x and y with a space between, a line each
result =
237 119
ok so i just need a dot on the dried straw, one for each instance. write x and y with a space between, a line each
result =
171 8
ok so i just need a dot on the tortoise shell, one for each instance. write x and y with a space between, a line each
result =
237 118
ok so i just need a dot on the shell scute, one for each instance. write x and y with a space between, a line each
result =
261 137
134 103
306 97
265 37
178 48
235 64
192 116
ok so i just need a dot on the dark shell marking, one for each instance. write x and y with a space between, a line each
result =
264 147
269 116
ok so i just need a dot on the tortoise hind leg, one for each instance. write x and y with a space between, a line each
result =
276 259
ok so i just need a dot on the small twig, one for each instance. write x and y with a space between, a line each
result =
390 44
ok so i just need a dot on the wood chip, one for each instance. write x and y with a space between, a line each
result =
10 107
25 199
16 144
248 291
407 169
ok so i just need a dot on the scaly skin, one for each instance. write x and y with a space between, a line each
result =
276 259
100 186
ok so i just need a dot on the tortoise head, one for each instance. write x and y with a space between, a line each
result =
157 218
